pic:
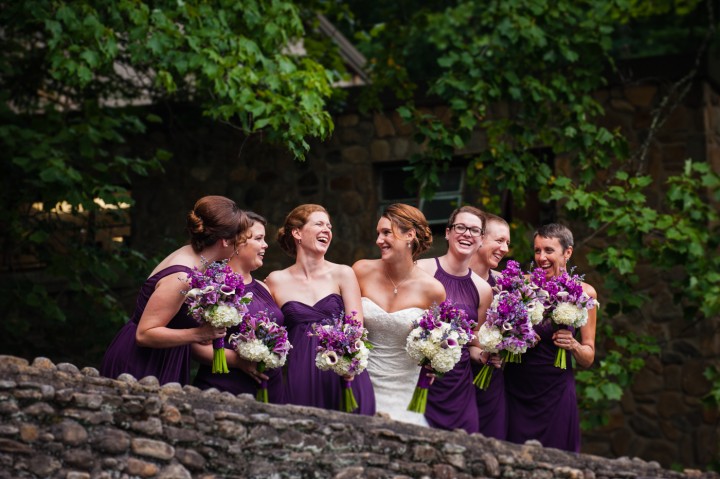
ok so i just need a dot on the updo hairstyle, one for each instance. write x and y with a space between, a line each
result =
403 218
253 217
296 219
214 218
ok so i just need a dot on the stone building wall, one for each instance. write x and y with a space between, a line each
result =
662 418
59 422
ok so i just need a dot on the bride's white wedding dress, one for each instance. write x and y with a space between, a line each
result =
393 373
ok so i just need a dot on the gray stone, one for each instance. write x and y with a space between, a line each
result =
68 368
110 440
42 465
151 427
72 433
43 363
138 467
152 448
174 471
80 458
190 459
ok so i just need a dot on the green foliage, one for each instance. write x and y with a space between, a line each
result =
600 387
73 75
524 73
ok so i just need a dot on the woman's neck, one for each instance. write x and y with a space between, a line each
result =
454 265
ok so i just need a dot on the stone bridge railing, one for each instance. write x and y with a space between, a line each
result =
59 422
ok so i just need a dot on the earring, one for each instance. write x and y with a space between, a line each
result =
409 245
300 241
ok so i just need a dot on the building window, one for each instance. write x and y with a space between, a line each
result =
393 188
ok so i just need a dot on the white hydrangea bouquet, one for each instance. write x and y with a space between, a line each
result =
343 348
216 297
436 343
568 306
261 340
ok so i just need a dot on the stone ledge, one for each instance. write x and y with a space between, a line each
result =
58 421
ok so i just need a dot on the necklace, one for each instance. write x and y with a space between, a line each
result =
396 286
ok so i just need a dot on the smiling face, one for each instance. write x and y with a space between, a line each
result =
316 234
550 256
251 253
391 242
496 244
464 244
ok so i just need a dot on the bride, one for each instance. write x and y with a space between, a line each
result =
394 293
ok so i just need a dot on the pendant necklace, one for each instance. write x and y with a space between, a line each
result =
396 286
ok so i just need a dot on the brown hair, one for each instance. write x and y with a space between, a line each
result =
295 219
467 209
253 217
404 218
557 231
214 218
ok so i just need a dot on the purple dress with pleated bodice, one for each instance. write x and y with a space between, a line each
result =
491 403
236 381
166 364
541 398
451 398
306 384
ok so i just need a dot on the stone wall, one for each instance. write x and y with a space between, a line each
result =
59 422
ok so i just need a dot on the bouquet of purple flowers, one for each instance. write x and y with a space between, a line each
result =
260 339
216 297
342 348
436 340
568 306
518 305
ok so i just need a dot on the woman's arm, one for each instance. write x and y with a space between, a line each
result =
584 350
349 290
163 305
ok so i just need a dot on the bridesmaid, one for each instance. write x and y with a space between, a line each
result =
540 396
491 403
309 291
156 341
244 376
451 398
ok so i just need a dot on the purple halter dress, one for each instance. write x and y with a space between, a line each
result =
541 398
236 381
451 399
491 403
306 384
166 364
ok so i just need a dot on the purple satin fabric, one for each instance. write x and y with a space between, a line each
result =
236 381
306 384
166 364
541 398
491 403
451 398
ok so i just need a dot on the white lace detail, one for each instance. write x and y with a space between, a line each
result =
393 373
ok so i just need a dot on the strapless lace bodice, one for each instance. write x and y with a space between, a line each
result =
393 373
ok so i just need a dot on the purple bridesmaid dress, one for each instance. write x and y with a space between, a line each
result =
451 398
306 384
491 404
236 381
541 398
166 364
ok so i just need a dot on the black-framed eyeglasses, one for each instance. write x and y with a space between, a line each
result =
461 229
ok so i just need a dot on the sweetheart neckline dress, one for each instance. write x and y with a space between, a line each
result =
392 371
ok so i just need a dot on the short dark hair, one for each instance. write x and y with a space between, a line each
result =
560 232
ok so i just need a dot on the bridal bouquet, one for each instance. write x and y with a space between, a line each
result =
569 306
216 297
262 340
518 305
342 348
436 341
